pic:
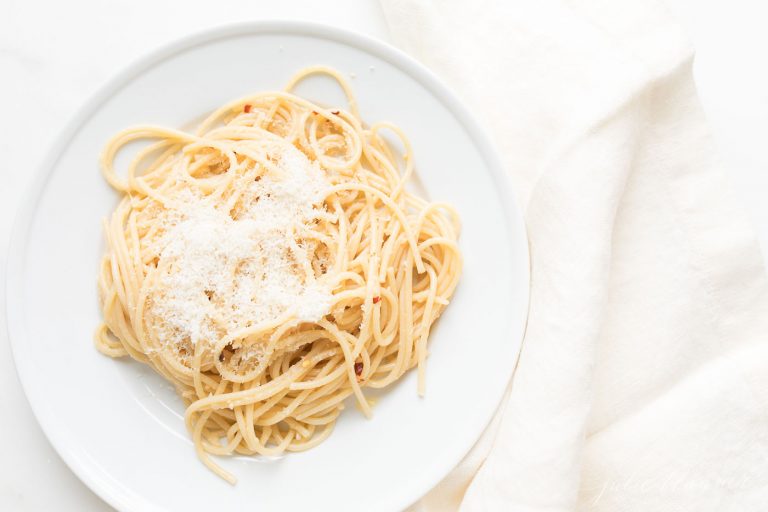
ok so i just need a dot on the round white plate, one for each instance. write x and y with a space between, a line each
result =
119 426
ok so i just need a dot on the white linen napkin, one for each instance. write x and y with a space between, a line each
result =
643 381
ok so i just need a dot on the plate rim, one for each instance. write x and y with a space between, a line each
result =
15 265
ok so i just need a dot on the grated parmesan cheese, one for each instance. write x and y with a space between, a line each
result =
225 274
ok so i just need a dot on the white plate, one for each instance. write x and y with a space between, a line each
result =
119 426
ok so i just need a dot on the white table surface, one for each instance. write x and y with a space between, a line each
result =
53 55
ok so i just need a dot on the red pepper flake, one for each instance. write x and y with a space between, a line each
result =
335 112
247 108
376 299
358 369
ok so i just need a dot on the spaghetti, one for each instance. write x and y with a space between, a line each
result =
270 265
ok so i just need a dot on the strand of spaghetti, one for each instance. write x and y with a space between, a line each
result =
426 321
325 70
129 135
407 156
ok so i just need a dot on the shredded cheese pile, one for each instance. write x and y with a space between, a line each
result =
224 274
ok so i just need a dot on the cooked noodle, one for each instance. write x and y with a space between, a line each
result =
198 250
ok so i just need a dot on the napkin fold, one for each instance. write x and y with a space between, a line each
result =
643 380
